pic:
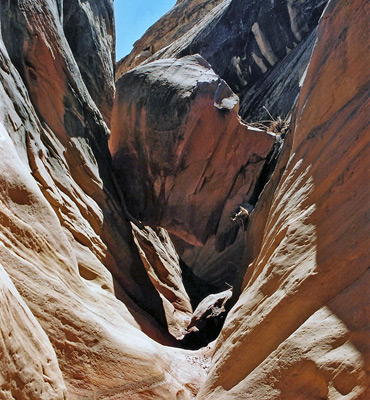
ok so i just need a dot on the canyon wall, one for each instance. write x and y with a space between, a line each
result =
173 25
65 243
95 284
183 158
300 329
260 48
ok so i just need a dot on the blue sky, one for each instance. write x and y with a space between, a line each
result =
133 18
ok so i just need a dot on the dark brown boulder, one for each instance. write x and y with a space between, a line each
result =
183 158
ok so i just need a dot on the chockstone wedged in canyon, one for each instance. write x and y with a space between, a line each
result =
113 266
184 159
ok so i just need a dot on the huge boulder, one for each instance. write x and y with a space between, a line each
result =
183 158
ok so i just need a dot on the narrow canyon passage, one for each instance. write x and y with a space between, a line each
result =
187 166
191 221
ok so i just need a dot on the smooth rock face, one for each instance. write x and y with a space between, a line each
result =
179 20
64 240
300 329
182 157
260 48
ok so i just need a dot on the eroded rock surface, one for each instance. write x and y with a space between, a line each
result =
207 319
300 329
182 156
179 20
89 30
260 48
28 364
162 263
83 312
64 240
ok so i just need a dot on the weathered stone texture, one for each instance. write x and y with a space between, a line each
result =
64 240
300 329
179 20
183 158
260 48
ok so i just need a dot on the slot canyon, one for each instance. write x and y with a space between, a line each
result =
192 221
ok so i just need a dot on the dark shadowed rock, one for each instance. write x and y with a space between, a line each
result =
251 43
207 320
89 30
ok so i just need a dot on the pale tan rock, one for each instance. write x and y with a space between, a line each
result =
28 365
64 239
300 329
162 263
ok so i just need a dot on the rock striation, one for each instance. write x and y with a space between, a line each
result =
94 286
29 366
89 28
300 329
162 263
182 156
65 242
180 19
260 48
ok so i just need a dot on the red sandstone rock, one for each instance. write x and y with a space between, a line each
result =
300 329
182 156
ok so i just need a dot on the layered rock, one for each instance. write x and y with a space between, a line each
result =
64 239
179 20
89 29
183 158
162 263
260 48
59 132
77 304
300 329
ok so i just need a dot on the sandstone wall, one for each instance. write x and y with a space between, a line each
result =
64 240
260 48
300 329
85 306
